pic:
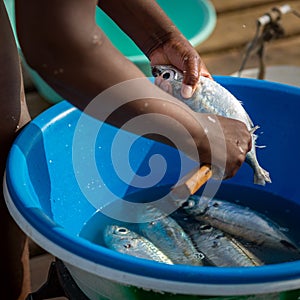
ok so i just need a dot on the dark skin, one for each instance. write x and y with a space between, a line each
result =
62 42
15 282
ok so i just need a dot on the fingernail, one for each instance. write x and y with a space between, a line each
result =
186 91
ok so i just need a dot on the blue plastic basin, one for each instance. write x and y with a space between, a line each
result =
47 194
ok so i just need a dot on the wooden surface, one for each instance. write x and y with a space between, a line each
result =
222 53
236 24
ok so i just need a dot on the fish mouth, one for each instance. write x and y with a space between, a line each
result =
156 71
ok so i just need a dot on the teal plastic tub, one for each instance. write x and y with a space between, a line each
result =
60 190
196 19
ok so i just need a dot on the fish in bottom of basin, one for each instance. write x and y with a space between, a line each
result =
169 236
239 221
220 249
124 240
211 97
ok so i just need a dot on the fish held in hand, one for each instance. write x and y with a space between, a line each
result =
211 97
124 240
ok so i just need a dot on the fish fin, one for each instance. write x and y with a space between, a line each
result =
253 129
254 138
262 176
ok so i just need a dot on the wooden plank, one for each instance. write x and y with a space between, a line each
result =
237 29
224 6
280 52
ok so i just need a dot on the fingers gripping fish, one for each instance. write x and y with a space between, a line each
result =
211 97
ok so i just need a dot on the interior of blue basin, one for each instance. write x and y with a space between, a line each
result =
55 193
195 19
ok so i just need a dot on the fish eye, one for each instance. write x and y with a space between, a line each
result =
206 227
168 75
122 230
189 204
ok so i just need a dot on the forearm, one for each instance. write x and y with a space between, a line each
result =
143 20
140 107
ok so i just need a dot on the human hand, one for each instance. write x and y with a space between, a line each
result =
228 142
178 52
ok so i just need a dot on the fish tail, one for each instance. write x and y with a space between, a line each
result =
261 176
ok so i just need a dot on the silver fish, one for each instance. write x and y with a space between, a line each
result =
211 97
123 240
168 235
239 221
220 249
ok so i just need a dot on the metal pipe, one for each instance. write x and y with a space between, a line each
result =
274 14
